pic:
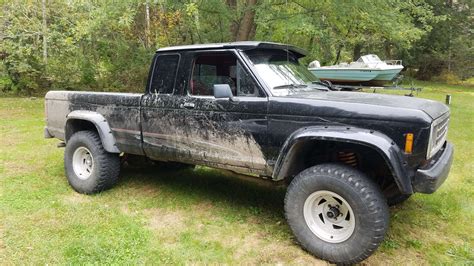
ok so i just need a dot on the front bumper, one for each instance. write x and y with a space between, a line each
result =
428 180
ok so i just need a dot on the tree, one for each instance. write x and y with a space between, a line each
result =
448 48
243 25
94 45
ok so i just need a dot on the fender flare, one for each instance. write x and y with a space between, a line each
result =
377 141
101 124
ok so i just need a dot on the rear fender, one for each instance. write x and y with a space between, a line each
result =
101 124
377 141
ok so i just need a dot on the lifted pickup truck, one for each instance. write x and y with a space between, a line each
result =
252 108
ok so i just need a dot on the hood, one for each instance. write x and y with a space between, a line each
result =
432 108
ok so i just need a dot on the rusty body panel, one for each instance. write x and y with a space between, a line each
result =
249 134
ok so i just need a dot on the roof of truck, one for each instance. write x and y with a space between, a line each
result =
245 45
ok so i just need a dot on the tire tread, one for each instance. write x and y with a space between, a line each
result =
376 206
109 163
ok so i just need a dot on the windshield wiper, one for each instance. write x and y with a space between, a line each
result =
327 84
292 85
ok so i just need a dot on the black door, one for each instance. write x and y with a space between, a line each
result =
224 133
160 110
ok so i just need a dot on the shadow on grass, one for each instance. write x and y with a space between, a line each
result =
228 191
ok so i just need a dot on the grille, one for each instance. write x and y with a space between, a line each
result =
439 130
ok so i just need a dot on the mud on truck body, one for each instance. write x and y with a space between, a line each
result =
252 108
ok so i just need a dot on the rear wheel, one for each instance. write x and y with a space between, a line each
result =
89 167
336 213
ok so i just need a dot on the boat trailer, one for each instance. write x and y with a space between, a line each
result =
394 86
412 89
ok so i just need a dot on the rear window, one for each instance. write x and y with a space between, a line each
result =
164 74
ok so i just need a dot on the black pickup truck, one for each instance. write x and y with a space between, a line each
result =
252 108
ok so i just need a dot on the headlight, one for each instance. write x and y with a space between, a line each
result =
439 131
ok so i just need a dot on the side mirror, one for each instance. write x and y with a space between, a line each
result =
222 91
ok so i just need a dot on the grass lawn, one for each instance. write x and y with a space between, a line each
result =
202 215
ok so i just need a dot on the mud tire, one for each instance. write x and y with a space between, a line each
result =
106 166
362 195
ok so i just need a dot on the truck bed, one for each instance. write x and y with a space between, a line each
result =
121 110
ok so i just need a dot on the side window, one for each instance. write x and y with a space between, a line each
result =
245 84
164 74
222 68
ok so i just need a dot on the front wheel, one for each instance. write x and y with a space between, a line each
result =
89 167
336 213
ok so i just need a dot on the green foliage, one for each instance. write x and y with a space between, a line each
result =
449 46
97 45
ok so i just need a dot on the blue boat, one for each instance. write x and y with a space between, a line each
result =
367 70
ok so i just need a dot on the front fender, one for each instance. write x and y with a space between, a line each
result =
377 141
101 124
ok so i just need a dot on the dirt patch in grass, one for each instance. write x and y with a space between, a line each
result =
18 168
203 208
160 219
2 244
282 252
252 243
163 219
76 198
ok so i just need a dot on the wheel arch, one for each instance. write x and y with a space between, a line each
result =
88 120
298 144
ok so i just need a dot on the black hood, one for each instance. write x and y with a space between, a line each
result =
432 108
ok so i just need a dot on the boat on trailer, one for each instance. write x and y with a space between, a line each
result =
367 70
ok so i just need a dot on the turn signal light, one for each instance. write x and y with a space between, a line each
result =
409 143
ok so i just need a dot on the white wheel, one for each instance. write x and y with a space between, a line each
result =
336 213
89 167
82 163
329 216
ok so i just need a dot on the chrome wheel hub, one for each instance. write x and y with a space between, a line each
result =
82 163
329 216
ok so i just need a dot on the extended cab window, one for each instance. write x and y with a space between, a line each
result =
224 68
164 74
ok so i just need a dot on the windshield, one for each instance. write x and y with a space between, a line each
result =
282 72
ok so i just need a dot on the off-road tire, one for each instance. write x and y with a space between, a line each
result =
105 172
364 197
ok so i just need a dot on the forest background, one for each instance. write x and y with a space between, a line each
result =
108 45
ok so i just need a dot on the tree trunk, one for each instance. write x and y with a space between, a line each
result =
44 33
243 28
356 52
338 54
234 23
147 23
247 24
198 24
388 50
450 5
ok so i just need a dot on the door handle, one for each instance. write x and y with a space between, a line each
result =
188 105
